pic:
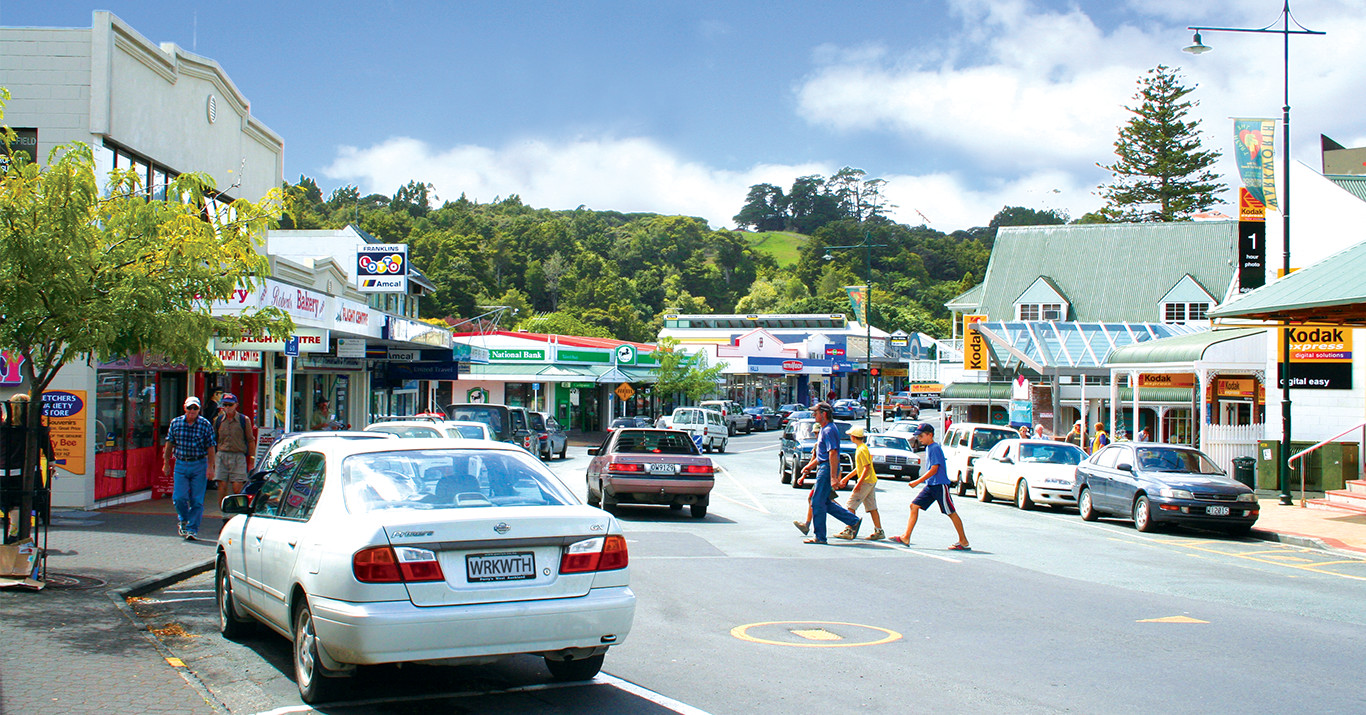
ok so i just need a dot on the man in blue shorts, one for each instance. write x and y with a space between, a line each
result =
936 491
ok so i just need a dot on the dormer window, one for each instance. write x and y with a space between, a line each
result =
1042 301
1039 311
1184 312
1186 302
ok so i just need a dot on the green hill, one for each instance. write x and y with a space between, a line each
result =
783 246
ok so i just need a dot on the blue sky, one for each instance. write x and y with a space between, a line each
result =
964 106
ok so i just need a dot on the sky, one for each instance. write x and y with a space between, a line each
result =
962 106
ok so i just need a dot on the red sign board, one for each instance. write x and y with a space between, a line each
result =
792 366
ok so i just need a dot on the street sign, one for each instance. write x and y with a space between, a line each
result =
292 347
974 345
624 391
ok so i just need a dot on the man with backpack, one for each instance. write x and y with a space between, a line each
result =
236 443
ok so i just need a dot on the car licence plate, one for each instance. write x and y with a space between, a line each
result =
512 566
663 468
1216 510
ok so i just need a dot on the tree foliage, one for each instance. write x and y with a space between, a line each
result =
1161 174
684 373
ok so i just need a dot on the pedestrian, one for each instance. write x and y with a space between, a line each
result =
1144 435
1101 439
936 490
236 441
865 491
211 405
830 396
190 440
1075 437
322 419
1024 431
1040 432
825 458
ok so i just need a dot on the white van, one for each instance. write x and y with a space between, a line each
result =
964 444
707 425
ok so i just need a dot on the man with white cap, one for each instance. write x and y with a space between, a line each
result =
191 441
865 490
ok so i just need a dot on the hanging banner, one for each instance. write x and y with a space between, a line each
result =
974 345
1254 151
66 421
858 299
1320 357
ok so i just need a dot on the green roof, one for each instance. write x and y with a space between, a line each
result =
967 300
1354 185
1178 349
1156 394
976 391
1332 290
1109 272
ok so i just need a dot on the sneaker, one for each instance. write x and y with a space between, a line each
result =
191 536
876 536
848 533
802 527
180 528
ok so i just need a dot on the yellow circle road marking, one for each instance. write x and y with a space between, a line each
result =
815 631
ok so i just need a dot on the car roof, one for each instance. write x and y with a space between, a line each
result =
411 423
346 448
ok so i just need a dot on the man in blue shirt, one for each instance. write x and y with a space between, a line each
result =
191 440
936 491
824 457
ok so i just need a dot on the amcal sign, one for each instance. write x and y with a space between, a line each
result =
792 366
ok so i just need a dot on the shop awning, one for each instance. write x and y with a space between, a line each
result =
1151 395
1040 345
1180 349
1331 291
975 392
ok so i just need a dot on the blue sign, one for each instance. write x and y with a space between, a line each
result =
292 347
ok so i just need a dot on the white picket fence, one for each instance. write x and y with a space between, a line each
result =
1224 442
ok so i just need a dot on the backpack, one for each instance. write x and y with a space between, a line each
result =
218 420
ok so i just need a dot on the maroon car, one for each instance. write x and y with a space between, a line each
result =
650 466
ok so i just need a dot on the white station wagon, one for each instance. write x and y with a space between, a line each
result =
438 551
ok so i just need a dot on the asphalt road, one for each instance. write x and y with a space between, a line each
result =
736 615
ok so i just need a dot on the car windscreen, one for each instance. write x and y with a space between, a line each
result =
448 479
1051 454
655 442
468 431
491 416
1184 461
984 439
409 431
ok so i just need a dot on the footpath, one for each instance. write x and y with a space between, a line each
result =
75 647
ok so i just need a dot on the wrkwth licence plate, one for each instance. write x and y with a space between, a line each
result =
512 566
1216 511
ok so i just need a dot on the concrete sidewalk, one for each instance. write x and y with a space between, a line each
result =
75 647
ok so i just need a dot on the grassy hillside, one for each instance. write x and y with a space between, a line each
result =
782 245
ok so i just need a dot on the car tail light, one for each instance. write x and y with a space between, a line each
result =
625 467
698 469
384 564
598 554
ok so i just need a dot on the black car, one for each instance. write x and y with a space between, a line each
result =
799 438
764 418
786 411
1160 483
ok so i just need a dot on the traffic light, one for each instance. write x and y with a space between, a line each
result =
874 372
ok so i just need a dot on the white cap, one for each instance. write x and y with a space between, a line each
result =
192 401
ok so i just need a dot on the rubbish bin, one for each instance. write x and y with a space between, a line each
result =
1244 471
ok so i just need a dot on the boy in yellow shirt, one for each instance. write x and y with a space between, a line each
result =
864 492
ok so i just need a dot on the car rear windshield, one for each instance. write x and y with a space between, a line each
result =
983 440
491 416
468 431
810 430
419 431
887 442
537 422
1051 454
448 479
655 442
1157 459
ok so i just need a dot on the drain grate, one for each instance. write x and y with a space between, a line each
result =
68 582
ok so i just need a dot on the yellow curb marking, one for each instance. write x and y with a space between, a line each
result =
742 632
816 634
1172 619
176 662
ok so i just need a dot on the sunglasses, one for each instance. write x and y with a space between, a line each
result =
191 409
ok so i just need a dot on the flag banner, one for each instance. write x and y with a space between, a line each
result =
1254 151
858 299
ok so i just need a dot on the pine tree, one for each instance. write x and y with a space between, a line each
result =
1162 173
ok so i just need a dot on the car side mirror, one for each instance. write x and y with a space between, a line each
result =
593 451
1124 467
1007 460
236 504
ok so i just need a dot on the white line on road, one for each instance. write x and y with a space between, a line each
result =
757 505
652 696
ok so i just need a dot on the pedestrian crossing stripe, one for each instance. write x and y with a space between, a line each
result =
1172 619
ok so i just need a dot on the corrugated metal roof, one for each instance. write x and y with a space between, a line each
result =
968 299
975 391
1049 344
1354 185
1332 290
1148 395
1109 272
1178 349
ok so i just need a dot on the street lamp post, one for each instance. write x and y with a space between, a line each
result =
1197 48
867 247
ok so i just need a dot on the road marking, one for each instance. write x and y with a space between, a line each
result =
652 696
816 634
175 662
1172 619
756 506
742 632
756 449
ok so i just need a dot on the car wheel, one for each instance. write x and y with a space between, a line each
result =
1022 500
1084 506
581 669
983 495
565 449
784 475
312 676
730 429
698 510
962 488
749 428
722 448
229 624
1143 515
592 497
609 504
707 447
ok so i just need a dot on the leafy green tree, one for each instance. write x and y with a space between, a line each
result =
91 273
1161 174
562 324
682 373
764 209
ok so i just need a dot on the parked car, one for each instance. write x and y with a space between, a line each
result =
290 441
1029 471
899 407
1159 483
787 410
848 410
509 424
650 466
389 551
557 440
764 418
430 429
637 421
707 427
796 444
893 456
964 444
471 430
734 415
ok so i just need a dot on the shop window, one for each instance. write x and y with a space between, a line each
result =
519 394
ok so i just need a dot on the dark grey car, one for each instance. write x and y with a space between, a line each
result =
1155 484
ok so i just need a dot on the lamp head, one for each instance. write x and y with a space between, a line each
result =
1198 48
828 257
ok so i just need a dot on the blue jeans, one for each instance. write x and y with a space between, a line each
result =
188 494
821 503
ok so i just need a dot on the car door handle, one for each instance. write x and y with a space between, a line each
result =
293 543
259 537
